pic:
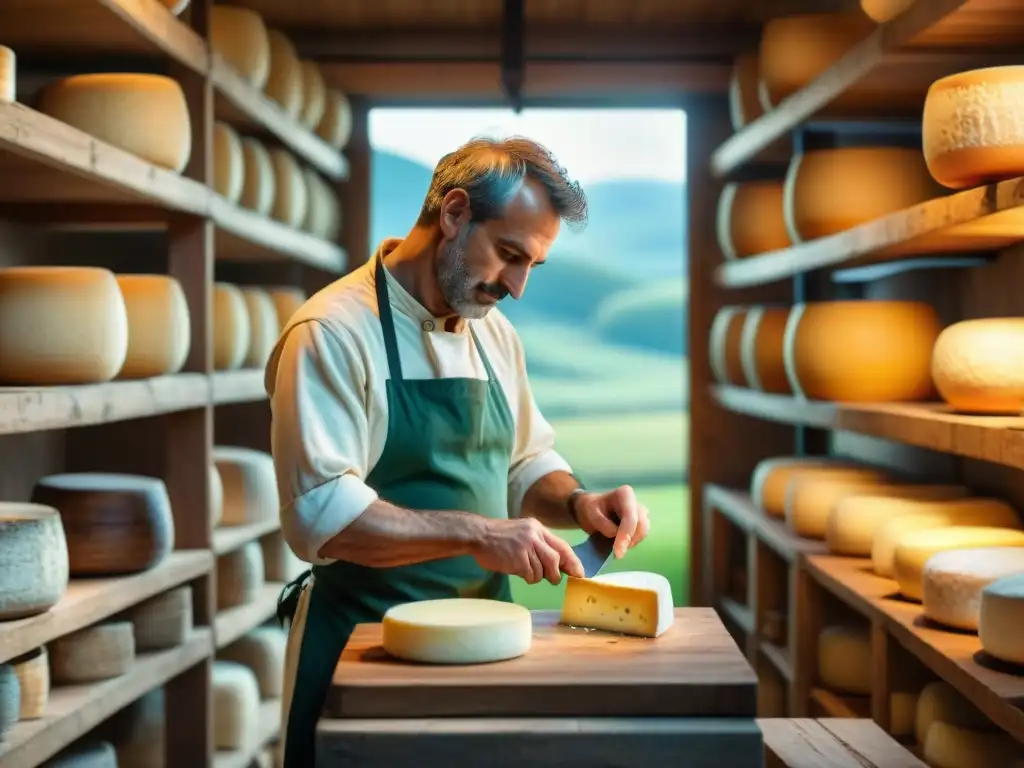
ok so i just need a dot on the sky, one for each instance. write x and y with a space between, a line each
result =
653 140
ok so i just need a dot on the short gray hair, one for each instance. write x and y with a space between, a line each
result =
491 171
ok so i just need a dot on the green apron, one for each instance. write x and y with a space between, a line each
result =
448 447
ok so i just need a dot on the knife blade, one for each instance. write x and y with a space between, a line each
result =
593 553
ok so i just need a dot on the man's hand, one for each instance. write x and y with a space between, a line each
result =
524 547
617 514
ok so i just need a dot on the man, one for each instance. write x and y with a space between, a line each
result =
411 459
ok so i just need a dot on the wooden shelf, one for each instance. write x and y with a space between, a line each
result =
836 705
227 538
779 659
270 729
231 624
74 710
739 614
243 386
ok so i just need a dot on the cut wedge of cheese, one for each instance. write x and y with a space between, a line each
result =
941 702
744 90
762 349
750 219
771 477
631 602
844 659
810 499
1001 617
947 746
457 631
159 326
34 567
953 580
231 330
978 365
725 344
239 36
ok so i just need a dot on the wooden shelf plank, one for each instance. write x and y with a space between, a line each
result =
227 538
741 615
231 624
270 730
244 386
739 507
74 710
88 601
778 658
836 705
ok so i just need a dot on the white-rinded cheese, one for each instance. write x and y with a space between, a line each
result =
855 518
761 349
978 365
771 477
750 219
915 548
239 36
290 188
250 487
314 95
952 582
231 329
86 754
1001 617
236 706
61 325
287 301
335 126
159 326
902 713
240 576
279 562
8 74
216 497
744 86
457 631
631 602
10 698
163 621
139 732
258 187
861 351
262 650
947 746
263 327
844 659
724 346
811 498
33 559
941 702
284 81
228 162
33 671
146 115
95 653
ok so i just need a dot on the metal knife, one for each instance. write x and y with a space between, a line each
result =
594 553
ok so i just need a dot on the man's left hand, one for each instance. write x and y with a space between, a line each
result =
617 514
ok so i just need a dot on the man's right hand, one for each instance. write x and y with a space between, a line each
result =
525 548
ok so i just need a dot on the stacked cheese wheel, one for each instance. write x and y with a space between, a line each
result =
746 347
978 366
245 327
751 219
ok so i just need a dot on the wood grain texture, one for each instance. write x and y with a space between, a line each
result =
831 743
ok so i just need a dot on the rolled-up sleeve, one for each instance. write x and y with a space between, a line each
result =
319 437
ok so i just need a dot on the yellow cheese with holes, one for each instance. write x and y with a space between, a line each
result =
284 80
287 301
96 653
290 188
771 477
744 85
61 325
940 702
1001 617
159 326
33 672
146 115
631 602
239 36
279 561
86 754
844 659
314 95
231 329
263 327
262 650
947 746
236 706
34 567
861 351
8 75
952 582
978 365
915 548
457 631
762 345
258 187
750 219
216 496
335 126
228 162
725 345
240 576
163 621
810 499
250 487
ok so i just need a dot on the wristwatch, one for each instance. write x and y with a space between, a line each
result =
570 501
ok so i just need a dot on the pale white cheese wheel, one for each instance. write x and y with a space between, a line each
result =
159 326
284 81
744 86
61 325
279 561
239 36
946 746
8 74
290 188
287 301
146 115
1001 617
262 650
33 672
231 329
216 496
862 350
952 582
96 653
978 365
941 702
630 602
236 706
314 95
86 754
263 327
770 480
457 631
762 349
228 162
163 621
725 345
335 126
33 560
250 486
844 659
240 576
750 219
811 498
258 186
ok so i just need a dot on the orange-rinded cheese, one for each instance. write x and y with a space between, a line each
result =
771 478
810 498
228 162
239 36
290 200
725 346
8 74
314 95
335 126
978 365
231 330
744 99
284 81
287 301
844 659
751 219
159 326
861 351
761 349
258 187
263 327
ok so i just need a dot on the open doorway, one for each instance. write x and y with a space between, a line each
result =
604 322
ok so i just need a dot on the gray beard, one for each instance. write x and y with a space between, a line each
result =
455 282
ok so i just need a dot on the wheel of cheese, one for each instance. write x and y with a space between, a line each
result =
335 215
114 524
159 326
630 602
725 346
280 563
146 115
139 732
314 95
236 706
258 187
33 671
952 582
290 189
239 36
771 477
946 746
811 498
1000 618
228 162
10 698
231 329
262 650
240 576
844 659
95 653
744 85
86 754
216 497
940 702
978 365
287 301
33 560
61 325
762 342
335 126
457 631
319 205
750 219
250 485
8 75
861 351
263 327
284 81
164 621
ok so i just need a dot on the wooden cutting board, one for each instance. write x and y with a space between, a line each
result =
694 669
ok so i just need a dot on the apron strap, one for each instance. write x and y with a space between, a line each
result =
288 600
492 379
387 321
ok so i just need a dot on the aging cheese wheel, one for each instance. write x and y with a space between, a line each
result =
916 547
844 659
33 671
952 582
287 301
1001 617
95 653
631 602
239 36
163 621
725 346
947 746
236 706
750 219
114 524
744 86
861 351
320 205
146 115
335 126
941 702
33 560
279 562
262 650
258 186
314 95
159 326
228 162
457 631
231 329
250 485
61 325
8 75
10 698
284 81
290 188
239 576
811 498
216 496
978 365
86 754
762 345
263 327
771 477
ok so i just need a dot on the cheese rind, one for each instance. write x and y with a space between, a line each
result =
163 621
770 480
941 702
725 346
457 631
947 746
159 326
287 301
978 365
631 602
290 198
750 219
284 80
952 582
33 671
33 560
236 706
844 659
762 349
810 499
744 85
85 754
1001 617
314 94
231 329
335 126
263 651
263 327
258 185
240 576
249 485
239 36
96 653
228 162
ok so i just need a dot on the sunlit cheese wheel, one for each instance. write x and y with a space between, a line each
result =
239 36
33 560
771 477
262 650
290 188
258 186
33 671
940 702
725 345
231 329
861 351
335 126
228 162
114 524
1001 617
176 7
952 582
946 746
146 115
8 74
86 754
216 497
287 301
159 326
279 562
61 325
263 327
761 349
284 81
10 698
744 84
978 365
250 485
139 732
236 706
240 576
844 659
314 95
855 518
810 498
163 621
750 219
95 653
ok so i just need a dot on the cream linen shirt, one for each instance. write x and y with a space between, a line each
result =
326 380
